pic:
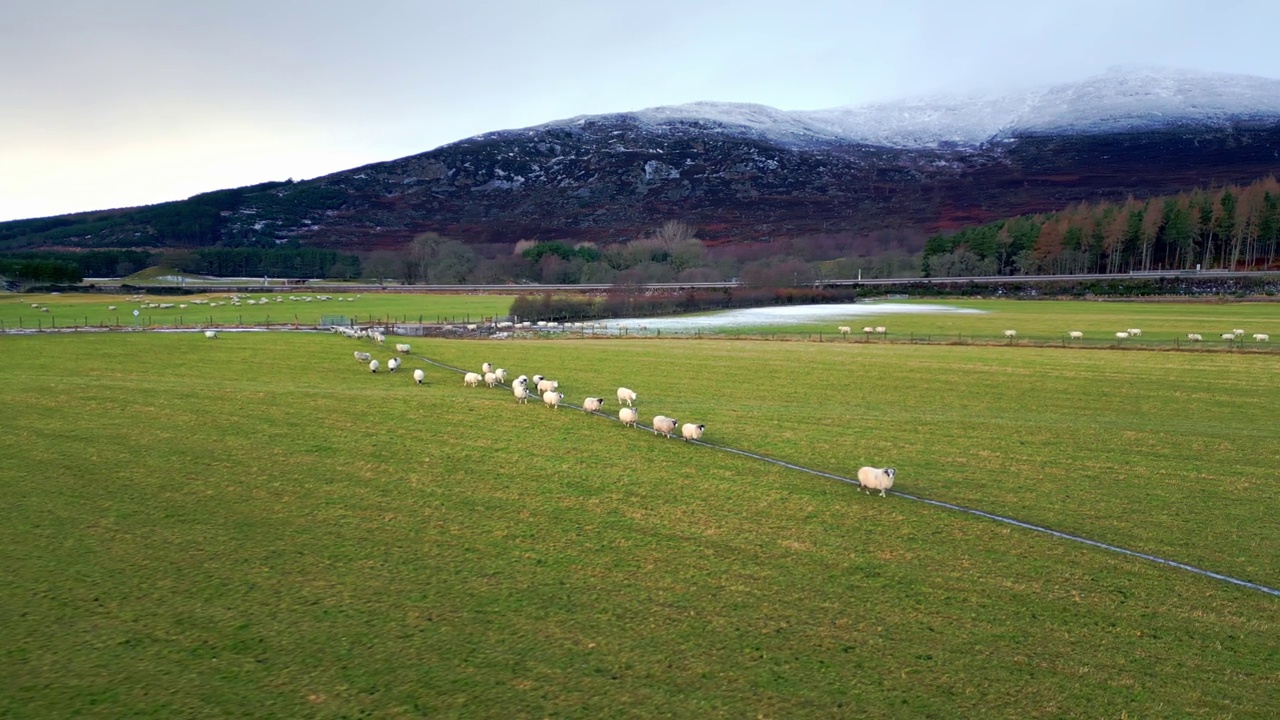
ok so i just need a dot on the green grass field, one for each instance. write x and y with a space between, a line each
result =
257 526
76 310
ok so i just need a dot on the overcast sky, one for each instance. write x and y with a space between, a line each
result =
112 103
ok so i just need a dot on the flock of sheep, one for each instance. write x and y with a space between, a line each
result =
549 390
1233 336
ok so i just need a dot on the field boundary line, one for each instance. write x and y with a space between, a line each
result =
949 506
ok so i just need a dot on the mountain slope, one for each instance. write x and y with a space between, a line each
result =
746 172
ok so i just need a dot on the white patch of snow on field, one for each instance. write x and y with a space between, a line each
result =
785 315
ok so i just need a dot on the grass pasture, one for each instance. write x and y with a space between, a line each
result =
77 310
257 526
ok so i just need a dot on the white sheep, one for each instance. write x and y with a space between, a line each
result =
1122 335
875 479
111 307
536 379
868 329
691 431
1075 335
490 379
663 424
1134 332
1011 333
628 416
419 376
363 357
1261 337
881 330
402 348
1195 337
845 329
471 379
1238 332
392 364
592 404
1228 336
373 366
521 392
500 374
547 386
211 334
552 399
626 396
523 379
486 368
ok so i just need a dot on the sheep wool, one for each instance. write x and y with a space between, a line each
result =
875 479
373 366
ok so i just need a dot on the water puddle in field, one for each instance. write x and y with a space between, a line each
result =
784 315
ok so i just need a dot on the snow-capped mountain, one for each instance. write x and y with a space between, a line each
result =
750 172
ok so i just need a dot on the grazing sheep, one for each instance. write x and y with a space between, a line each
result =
500 374
845 329
1238 332
1122 335
1011 333
663 424
521 392
486 368
546 386
419 376
592 404
392 364
373 366
691 431
471 379
1228 336
211 334
628 416
111 307
626 396
1075 335
1194 337
490 379
875 479
868 329
1134 332
1261 337
402 348
552 399
881 330
363 357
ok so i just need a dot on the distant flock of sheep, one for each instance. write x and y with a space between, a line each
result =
1233 336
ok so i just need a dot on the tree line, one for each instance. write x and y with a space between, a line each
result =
1230 228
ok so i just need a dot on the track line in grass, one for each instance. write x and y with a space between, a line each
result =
948 506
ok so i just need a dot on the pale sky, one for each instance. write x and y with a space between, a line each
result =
113 103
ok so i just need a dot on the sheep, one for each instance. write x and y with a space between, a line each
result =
111 307
881 330
1261 337
1011 334
1122 335
626 396
628 416
692 432
548 385
1238 332
211 334
363 357
1194 337
402 348
486 368
522 380
373 366
419 376
392 364
1075 335
875 479
552 399
663 424
1134 332
490 379
537 379
521 392
592 404
845 329
471 379
500 374
1228 336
